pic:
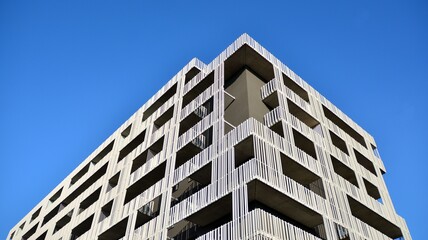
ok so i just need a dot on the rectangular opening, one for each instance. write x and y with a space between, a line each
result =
198 89
79 174
63 221
304 144
85 185
116 232
195 182
30 232
100 156
344 126
191 74
42 236
158 103
193 118
82 228
91 199
344 171
373 219
339 143
247 57
148 212
300 174
113 181
288 82
148 154
365 162
194 147
35 214
372 190
205 220
106 211
278 128
53 213
263 196
145 182
165 117
125 133
302 115
55 196
244 151
132 145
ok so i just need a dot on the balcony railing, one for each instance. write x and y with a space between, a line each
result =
253 169
257 223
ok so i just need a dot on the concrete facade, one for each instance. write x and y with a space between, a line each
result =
241 148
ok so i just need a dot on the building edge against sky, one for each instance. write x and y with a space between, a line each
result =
241 148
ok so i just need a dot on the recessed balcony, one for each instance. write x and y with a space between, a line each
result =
148 212
145 182
198 89
158 103
263 196
339 142
302 175
373 219
207 219
116 232
195 182
197 115
344 171
194 147
304 144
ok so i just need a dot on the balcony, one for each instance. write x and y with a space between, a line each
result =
304 144
302 175
188 186
200 87
138 187
257 224
148 212
373 219
269 93
197 115
194 147
159 102
191 74
344 171
339 143
283 207
116 232
344 126
205 220
296 88
365 162
82 228
148 154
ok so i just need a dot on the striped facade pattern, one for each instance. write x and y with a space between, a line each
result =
183 167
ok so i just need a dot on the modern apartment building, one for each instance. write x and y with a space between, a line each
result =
241 148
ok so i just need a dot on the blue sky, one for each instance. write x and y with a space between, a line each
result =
72 71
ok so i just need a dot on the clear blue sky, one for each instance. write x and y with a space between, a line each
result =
72 71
